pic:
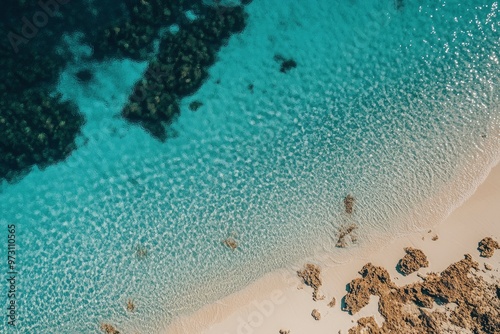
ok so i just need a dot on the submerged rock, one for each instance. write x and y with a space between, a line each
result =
286 63
109 329
130 305
349 203
195 105
84 75
345 232
412 261
231 243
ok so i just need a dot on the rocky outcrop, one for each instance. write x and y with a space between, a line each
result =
487 247
366 325
412 261
332 302
407 309
311 277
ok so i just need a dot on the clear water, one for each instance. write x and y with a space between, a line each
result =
389 105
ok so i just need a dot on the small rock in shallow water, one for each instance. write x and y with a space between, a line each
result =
231 243
287 65
349 203
130 305
109 329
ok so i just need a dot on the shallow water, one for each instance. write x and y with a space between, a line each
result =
389 105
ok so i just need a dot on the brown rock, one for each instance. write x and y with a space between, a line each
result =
231 243
349 203
488 266
109 329
407 309
412 261
366 325
130 305
283 331
311 277
316 315
345 232
487 247
332 302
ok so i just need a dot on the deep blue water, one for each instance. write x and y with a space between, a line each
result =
389 105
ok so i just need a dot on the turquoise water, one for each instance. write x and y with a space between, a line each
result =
389 105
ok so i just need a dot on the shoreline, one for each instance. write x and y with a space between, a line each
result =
279 300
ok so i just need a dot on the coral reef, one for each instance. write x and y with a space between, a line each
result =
311 277
181 66
487 247
412 261
38 128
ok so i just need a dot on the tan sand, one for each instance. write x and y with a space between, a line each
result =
279 301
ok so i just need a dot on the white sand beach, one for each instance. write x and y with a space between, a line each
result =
279 301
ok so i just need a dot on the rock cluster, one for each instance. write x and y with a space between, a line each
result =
487 247
412 261
284 331
311 277
407 309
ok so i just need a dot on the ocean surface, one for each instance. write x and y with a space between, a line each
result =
392 102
